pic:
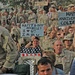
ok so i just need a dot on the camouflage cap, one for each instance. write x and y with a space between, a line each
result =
71 5
68 37
54 2
52 6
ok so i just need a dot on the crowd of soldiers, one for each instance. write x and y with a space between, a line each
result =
12 44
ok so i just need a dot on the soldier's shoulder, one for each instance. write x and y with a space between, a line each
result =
68 52
4 31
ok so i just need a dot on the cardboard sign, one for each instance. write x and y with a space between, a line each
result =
28 30
66 18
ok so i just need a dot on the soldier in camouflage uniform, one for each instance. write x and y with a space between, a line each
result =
47 42
39 14
54 16
71 8
15 31
8 51
68 43
43 19
20 15
63 57
31 17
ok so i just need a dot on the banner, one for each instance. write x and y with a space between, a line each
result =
66 18
28 30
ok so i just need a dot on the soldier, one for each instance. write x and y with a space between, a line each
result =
54 16
71 8
39 14
47 41
71 31
63 57
20 15
14 17
60 8
68 43
58 35
43 19
8 51
15 31
51 37
31 17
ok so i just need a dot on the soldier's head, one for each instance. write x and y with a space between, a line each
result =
71 30
52 34
68 40
50 55
58 35
44 66
71 7
60 7
58 46
53 8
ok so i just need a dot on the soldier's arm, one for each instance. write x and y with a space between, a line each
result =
11 52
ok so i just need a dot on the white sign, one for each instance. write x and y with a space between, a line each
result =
28 30
66 18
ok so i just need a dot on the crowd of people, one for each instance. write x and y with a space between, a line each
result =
52 53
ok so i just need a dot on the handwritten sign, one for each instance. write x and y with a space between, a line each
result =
66 18
28 30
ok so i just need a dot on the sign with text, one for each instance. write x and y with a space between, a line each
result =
28 30
66 18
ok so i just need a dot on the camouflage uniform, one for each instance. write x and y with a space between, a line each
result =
8 50
31 17
46 43
20 16
54 17
43 19
69 47
65 58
